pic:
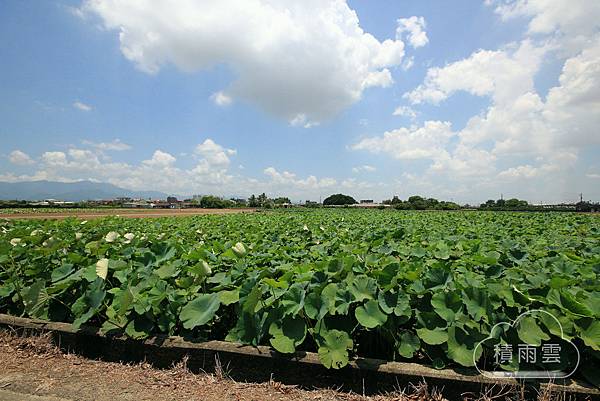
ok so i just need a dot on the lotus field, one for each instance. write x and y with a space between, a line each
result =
411 286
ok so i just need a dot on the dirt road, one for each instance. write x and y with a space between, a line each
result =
129 213
33 369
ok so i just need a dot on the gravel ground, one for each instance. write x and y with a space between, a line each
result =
32 368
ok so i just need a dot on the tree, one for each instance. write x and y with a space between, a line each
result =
417 202
513 203
253 202
339 199
213 202
262 199
281 200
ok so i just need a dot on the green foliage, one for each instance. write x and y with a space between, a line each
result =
390 285
339 199
213 202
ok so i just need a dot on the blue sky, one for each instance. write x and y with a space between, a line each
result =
233 98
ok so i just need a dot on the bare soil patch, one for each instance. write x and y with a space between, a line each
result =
33 365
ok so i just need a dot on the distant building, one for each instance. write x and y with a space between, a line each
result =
369 201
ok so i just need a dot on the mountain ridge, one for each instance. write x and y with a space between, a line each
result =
70 191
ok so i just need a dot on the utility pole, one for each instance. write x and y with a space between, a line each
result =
581 197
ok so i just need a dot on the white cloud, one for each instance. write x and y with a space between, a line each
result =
82 106
574 18
365 167
426 142
290 58
214 154
54 158
300 120
160 159
115 145
289 180
414 27
20 158
405 111
501 74
408 63
220 98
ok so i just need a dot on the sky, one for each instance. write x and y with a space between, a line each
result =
461 100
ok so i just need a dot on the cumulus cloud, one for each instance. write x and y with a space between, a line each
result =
414 28
160 159
364 168
405 111
426 142
214 154
501 74
115 145
220 98
574 18
20 158
82 106
287 179
290 58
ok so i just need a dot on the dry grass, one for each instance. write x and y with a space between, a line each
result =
33 364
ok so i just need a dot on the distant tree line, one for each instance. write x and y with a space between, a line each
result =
507 204
264 201
419 203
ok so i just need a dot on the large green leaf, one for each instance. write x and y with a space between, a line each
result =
362 288
530 332
446 304
333 348
369 315
292 300
396 303
590 333
89 303
433 337
200 311
287 334
409 344
462 347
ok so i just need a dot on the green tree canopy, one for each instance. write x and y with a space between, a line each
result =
339 199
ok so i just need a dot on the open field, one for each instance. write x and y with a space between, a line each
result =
407 286
12 214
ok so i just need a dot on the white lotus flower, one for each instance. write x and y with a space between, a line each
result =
15 241
206 270
102 268
239 249
78 235
111 236
35 232
49 242
305 228
128 237
83 222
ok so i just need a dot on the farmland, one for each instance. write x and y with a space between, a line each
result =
95 213
418 286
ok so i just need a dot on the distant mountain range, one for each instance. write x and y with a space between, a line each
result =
69 191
